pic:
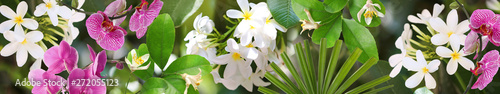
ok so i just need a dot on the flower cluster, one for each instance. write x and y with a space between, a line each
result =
256 32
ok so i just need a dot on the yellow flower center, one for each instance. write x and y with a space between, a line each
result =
137 60
425 70
247 16
455 55
449 33
236 56
18 19
249 46
48 5
24 41
268 21
370 14
251 27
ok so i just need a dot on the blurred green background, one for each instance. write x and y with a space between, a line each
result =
396 15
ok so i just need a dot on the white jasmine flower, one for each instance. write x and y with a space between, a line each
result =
236 65
396 60
52 9
456 56
308 25
255 79
193 80
21 44
17 18
370 12
423 18
198 42
451 27
423 70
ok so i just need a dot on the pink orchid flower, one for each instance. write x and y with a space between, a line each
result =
98 87
117 8
42 77
99 62
60 58
484 21
108 35
144 16
472 43
487 67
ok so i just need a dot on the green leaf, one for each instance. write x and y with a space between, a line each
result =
143 74
283 13
346 67
331 31
267 90
369 85
154 85
180 10
160 39
356 75
278 83
317 15
176 85
335 6
294 72
313 4
189 64
423 90
357 36
356 5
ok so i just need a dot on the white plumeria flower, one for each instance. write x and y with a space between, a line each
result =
370 12
255 79
52 9
396 60
198 42
71 32
493 4
270 27
423 70
137 61
21 44
251 18
451 27
16 18
249 51
456 56
235 61
406 35
423 18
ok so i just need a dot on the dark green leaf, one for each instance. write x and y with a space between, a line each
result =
161 39
357 36
356 5
180 10
283 13
313 4
176 85
331 31
334 6
190 64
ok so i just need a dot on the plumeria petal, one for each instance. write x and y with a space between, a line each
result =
396 59
40 10
34 36
452 66
9 49
21 56
429 81
7 12
6 25
433 66
35 50
439 39
443 52
414 80
409 64
30 24
438 25
451 20
395 71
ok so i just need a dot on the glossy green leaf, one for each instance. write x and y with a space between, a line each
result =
294 72
283 13
369 85
267 90
313 4
356 75
335 6
180 10
331 31
278 83
357 36
346 67
176 85
154 85
190 64
356 5
161 39
317 15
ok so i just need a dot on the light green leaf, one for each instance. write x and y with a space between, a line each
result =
313 4
331 31
356 5
357 36
180 10
160 39
190 64
334 6
154 85
176 85
423 90
283 13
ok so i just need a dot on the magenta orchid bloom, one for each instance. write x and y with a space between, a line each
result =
99 62
108 35
487 67
39 75
472 43
117 8
144 16
60 58
484 21
77 74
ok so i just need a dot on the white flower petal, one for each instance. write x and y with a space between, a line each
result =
455 42
232 46
231 13
452 19
462 27
439 25
396 59
18 29
247 84
22 8
9 49
7 12
231 69
34 36
10 36
399 43
252 53
452 66
414 19
64 12
34 50
246 38
243 5
30 24
36 65
21 56
259 82
439 39
230 84
361 12
223 59
443 52
395 71
429 81
414 80
433 65
6 25
145 57
462 39
409 64
53 18
40 10
466 63
437 9
420 59
77 17
368 20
